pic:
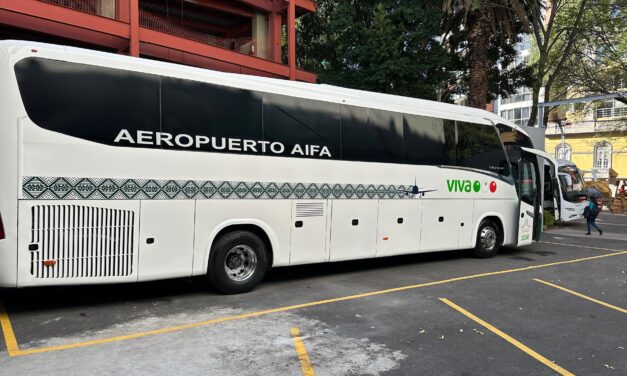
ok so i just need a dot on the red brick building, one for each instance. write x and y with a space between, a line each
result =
242 36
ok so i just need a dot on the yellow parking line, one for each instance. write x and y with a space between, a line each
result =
303 305
508 338
9 336
619 309
301 350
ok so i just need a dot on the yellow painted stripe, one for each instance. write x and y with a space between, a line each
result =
301 350
619 309
508 338
303 305
7 329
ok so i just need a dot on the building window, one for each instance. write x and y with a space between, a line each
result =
603 155
563 152
522 94
518 116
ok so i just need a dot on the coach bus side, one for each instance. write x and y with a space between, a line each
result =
155 172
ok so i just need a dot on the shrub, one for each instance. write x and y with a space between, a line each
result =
549 219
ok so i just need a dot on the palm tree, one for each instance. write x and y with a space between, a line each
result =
482 19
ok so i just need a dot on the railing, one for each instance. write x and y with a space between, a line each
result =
611 112
601 172
162 24
105 8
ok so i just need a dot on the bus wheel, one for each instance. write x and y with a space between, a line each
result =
238 262
488 240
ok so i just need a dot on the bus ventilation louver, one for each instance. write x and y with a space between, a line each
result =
309 209
73 241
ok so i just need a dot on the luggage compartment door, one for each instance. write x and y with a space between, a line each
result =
166 239
309 232
353 229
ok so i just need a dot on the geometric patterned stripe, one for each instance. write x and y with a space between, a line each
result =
57 188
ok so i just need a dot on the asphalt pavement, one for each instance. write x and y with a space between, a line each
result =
558 306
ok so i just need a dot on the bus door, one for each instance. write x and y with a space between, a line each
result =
530 193
552 194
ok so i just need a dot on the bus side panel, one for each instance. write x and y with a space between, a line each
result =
399 227
10 106
441 223
166 239
213 216
64 242
353 229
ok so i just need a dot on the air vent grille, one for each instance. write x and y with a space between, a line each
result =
71 241
309 209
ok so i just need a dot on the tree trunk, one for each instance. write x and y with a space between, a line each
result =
535 96
547 98
537 85
478 39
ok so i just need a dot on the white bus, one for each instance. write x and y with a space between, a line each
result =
566 194
118 169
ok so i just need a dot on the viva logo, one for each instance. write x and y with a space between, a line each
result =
456 185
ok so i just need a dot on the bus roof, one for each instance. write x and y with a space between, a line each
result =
322 92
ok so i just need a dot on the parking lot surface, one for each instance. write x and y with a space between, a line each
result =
558 306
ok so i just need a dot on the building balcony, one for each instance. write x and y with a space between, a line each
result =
601 172
614 114
587 126
227 35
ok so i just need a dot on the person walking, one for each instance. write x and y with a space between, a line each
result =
591 212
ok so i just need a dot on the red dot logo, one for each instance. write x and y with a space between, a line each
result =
493 186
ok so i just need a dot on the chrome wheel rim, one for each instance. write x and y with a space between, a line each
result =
240 263
488 238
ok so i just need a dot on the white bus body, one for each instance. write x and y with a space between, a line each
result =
148 170
566 195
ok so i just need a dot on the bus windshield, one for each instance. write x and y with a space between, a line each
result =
572 184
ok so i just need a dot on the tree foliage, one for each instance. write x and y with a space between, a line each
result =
598 63
503 73
579 49
418 48
386 46
490 28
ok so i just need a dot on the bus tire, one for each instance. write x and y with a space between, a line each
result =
238 262
488 240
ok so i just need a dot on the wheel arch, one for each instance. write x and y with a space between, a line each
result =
259 228
496 218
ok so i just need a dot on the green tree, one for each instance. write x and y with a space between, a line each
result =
555 27
386 46
489 26
580 48
598 64
505 73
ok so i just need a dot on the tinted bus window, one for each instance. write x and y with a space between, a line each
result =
196 108
86 101
479 146
512 137
371 135
429 141
304 126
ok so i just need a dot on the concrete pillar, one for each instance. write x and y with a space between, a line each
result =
291 38
106 8
134 26
274 43
260 35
